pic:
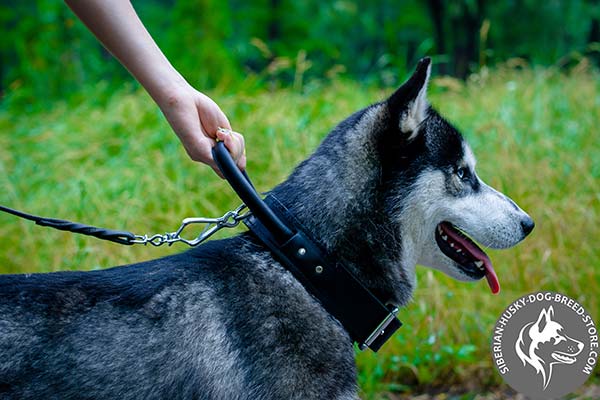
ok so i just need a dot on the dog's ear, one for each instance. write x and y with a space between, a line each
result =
544 318
408 105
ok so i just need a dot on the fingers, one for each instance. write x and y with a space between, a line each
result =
196 119
235 144
241 161
199 148
202 152
215 125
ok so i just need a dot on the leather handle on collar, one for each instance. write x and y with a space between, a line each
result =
368 322
241 184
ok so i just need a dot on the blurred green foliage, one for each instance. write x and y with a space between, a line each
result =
47 53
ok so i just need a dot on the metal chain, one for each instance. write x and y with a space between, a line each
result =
230 219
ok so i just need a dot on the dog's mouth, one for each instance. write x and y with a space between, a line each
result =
472 261
563 358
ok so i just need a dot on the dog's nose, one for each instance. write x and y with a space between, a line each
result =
527 224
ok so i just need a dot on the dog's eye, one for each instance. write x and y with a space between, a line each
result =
462 173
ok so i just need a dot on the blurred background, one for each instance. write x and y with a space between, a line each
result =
81 140
45 49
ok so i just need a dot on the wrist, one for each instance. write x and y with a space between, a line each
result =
165 88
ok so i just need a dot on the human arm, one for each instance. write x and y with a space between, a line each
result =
193 116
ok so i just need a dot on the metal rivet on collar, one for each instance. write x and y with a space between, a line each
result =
301 251
318 269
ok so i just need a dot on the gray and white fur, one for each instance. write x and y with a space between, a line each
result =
227 321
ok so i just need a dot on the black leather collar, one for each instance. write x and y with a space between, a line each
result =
366 319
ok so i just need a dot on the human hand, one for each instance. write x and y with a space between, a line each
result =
196 120
194 117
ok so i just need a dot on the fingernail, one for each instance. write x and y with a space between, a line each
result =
225 131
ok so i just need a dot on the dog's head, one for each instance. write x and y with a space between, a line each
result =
443 206
544 343
395 185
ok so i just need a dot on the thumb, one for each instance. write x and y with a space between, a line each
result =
235 145
211 116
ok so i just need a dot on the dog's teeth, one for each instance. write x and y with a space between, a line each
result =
444 237
479 264
451 244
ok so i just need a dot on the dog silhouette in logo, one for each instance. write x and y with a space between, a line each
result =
543 343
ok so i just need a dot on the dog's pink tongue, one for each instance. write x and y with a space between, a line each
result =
479 254
491 276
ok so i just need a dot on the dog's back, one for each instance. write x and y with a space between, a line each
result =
211 323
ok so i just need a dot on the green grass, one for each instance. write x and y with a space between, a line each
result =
109 159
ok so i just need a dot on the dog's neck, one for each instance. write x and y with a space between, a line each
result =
335 194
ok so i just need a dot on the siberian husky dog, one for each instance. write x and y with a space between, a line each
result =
544 343
392 186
